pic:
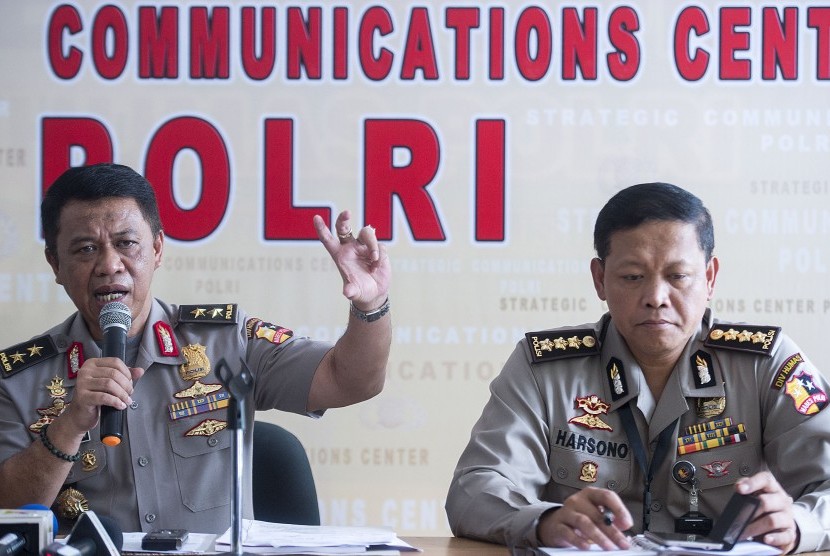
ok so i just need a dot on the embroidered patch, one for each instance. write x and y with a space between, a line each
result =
22 356
550 345
743 337
786 369
74 359
165 339
616 378
809 399
593 407
258 329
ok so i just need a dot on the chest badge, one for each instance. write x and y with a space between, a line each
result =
197 364
593 407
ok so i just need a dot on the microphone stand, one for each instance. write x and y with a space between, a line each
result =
238 386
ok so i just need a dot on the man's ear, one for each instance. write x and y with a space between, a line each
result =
158 247
598 274
52 259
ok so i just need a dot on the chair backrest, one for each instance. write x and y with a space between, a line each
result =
283 485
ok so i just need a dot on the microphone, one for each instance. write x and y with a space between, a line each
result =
26 530
92 535
115 320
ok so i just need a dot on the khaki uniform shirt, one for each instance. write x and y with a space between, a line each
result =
552 426
173 468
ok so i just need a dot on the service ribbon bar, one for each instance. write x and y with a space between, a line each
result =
709 444
709 435
199 405
709 425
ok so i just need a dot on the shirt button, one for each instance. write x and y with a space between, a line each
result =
745 470
213 442
142 461
612 485
561 472
149 518
656 506
134 405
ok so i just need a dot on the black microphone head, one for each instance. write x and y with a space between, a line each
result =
117 314
104 532
113 530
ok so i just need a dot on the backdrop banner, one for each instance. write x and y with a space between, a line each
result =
479 139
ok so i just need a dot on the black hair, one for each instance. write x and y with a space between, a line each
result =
91 183
648 202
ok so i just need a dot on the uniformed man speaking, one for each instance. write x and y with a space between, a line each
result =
104 242
654 416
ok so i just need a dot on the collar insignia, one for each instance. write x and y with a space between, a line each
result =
166 340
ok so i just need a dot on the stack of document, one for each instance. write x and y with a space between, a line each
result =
261 537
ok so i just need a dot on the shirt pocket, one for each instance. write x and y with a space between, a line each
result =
203 464
93 462
724 465
591 462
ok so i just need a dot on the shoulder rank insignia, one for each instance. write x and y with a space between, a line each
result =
214 314
549 345
22 356
743 337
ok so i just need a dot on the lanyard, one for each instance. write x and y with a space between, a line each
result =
660 452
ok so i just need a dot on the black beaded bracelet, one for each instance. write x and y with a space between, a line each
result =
54 451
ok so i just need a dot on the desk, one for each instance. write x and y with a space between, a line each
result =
451 546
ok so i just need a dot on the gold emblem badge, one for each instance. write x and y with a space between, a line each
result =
89 461
197 365
588 472
55 387
207 427
198 390
71 503
593 407
710 407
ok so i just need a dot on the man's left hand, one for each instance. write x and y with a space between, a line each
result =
360 259
774 522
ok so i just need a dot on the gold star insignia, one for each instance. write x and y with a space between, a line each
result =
199 312
215 313
730 334
560 343
34 350
758 337
744 336
17 357
574 342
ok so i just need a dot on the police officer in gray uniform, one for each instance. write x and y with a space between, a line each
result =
104 241
654 416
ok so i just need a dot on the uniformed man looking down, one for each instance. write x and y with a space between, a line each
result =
652 417
173 468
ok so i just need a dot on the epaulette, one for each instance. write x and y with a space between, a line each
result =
224 313
743 337
24 355
549 345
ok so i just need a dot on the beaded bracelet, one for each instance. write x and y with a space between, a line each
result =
54 451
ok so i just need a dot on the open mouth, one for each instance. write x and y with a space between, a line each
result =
110 296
